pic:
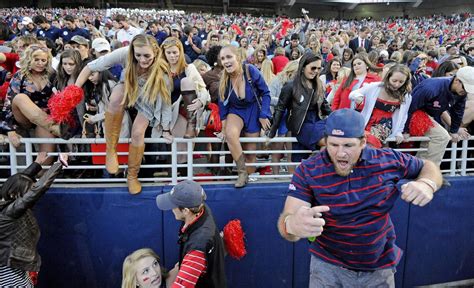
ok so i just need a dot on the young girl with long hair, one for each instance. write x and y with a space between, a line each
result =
187 85
307 108
386 105
27 98
359 76
146 86
244 107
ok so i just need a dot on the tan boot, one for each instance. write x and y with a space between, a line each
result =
188 97
113 124
135 155
242 170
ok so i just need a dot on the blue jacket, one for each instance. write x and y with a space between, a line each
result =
434 96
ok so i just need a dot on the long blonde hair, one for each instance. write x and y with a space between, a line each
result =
174 42
226 76
267 71
289 72
27 59
156 83
129 273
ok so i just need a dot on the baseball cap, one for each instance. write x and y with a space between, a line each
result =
175 27
79 40
100 44
187 194
345 123
466 75
26 20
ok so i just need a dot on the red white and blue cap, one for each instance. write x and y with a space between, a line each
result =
345 123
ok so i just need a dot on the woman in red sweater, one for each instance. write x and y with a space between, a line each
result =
360 75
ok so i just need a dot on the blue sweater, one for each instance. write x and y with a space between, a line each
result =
434 96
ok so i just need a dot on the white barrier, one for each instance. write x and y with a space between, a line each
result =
457 166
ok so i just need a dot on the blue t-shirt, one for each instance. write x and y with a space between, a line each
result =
188 49
358 233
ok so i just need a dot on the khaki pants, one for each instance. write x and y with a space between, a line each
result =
439 139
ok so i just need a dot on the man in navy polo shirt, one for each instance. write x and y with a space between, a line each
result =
70 30
46 30
340 199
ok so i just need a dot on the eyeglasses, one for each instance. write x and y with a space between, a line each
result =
316 68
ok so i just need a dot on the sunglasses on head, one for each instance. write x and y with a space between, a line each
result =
35 47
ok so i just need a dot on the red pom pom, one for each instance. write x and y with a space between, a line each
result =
234 239
420 123
286 24
61 104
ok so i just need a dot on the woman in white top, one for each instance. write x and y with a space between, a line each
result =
386 105
146 86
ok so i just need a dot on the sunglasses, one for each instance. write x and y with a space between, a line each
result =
316 68
42 48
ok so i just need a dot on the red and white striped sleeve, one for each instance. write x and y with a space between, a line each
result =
192 267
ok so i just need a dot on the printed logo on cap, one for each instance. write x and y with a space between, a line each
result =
337 132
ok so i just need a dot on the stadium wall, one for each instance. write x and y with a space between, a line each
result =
88 231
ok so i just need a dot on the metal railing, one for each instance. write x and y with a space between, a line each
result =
183 159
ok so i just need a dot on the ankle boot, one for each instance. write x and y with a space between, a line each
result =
135 155
113 124
243 176
188 97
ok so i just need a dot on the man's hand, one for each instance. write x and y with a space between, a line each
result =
417 192
463 134
455 137
306 222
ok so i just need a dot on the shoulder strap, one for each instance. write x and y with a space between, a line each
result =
22 83
249 79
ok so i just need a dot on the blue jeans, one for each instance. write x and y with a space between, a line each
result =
325 275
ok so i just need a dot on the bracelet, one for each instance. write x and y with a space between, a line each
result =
284 225
166 131
430 183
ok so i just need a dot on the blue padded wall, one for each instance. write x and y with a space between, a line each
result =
87 232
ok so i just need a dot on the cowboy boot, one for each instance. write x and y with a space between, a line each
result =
188 97
243 176
135 156
113 124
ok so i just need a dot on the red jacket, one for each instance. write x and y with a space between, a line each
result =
341 98
279 62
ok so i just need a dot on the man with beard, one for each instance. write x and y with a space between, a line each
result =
340 199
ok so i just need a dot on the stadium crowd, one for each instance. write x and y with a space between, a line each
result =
147 73
233 75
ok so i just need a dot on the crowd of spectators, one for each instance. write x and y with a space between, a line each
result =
267 64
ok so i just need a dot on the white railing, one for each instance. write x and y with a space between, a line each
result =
20 158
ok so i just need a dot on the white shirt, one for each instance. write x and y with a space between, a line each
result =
127 35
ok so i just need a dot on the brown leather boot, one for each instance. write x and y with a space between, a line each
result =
188 97
135 156
243 176
113 124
